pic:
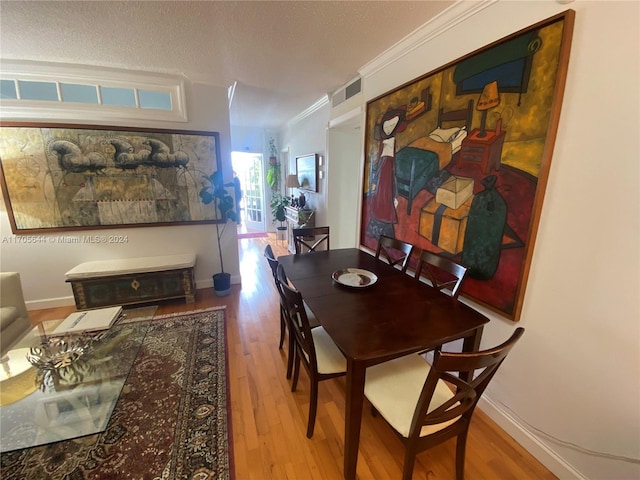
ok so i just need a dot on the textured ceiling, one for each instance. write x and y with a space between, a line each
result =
284 55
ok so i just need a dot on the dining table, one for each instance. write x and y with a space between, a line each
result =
393 315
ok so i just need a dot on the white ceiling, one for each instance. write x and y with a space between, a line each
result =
284 55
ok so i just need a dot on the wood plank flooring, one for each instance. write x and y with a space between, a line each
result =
269 421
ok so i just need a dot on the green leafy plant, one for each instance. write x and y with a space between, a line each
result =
214 192
274 172
278 204
273 176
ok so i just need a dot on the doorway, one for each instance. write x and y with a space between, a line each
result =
249 168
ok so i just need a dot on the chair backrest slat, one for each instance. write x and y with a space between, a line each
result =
305 239
273 263
271 259
296 315
468 373
388 248
441 272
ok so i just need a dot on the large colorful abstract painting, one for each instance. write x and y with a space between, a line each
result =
456 161
71 177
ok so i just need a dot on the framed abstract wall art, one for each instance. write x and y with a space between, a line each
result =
70 177
457 161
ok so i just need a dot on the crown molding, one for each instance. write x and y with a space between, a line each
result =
449 18
44 70
324 100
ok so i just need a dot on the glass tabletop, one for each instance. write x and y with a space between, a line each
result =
72 388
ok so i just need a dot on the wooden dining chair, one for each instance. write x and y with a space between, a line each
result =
273 264
313 321
314 349
306 239
394 251
429 404
441 272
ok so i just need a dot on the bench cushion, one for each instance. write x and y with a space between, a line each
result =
124 266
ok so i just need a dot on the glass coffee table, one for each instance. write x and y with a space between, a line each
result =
69 388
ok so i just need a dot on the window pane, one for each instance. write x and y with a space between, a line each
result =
8 89
38 91
124 97
156 100
72 92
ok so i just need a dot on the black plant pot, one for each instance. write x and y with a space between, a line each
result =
281 233
222 284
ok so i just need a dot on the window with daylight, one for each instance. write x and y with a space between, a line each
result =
29 89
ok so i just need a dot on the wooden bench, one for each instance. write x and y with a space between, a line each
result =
127 281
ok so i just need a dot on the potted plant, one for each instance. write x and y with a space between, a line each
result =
278 202
273 152
214 192
273 173
273 176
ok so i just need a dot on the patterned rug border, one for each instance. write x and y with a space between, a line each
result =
231 457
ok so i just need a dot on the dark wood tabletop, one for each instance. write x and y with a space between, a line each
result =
395 316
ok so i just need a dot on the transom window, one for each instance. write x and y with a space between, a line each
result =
41 90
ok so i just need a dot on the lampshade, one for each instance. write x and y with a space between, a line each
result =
292 182
489 97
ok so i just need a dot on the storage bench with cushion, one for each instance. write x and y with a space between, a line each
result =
127 281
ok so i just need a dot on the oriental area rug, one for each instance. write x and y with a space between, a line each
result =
172 419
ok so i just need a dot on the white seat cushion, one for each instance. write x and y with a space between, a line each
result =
123 266
330 358
394 388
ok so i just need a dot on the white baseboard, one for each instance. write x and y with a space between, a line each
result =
528 440
208 283
50 303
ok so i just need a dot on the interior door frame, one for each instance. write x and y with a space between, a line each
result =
247 223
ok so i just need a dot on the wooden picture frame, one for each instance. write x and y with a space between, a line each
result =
457 161
59 177
307 171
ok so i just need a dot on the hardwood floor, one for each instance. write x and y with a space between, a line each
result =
269 421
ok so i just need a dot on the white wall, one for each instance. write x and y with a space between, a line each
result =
305 136
42 265
570 391
247 139
343 171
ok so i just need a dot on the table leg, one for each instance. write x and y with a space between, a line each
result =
471 344
353 416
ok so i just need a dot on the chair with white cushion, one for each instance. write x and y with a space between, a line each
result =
314 349
273 264
429 404
313 321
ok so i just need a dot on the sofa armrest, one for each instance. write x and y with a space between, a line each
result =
16 322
